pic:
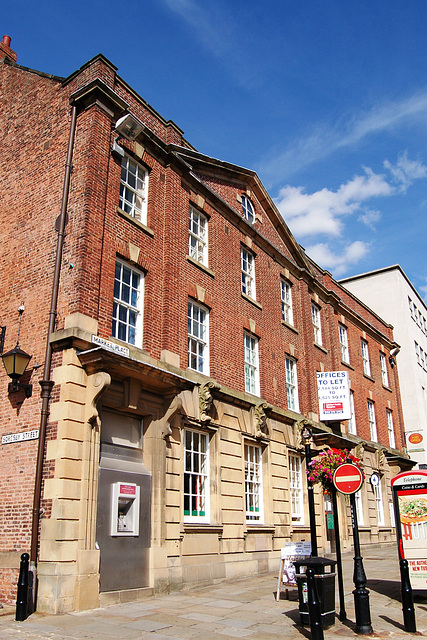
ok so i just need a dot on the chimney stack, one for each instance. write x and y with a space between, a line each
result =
6 51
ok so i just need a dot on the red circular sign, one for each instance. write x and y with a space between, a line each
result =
415 438
348 478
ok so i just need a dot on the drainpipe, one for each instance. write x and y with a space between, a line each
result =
47 384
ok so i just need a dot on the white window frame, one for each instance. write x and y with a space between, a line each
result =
296 489
198 337
133 189
411 308
352 427
372 421
253 483
247 261
251 360
317 325
378 493
292 384
286 299
392 516
417 352
343 335
359 508
384 372
127 304
248 208
198 236
196 476
364 349
390 429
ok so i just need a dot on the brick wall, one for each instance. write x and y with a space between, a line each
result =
35 123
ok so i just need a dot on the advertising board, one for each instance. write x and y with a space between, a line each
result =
334 395
410 506
290 552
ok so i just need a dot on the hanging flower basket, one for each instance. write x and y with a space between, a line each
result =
322 468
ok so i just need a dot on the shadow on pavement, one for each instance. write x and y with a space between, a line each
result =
295 617
348 623
398 625
389 588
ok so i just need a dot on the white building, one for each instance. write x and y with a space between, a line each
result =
392 296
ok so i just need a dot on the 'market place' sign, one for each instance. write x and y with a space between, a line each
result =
334 395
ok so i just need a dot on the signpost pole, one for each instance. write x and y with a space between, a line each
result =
342 614
361 593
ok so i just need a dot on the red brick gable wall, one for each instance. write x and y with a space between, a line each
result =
231 192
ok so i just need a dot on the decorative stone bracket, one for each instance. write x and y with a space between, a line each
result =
96 384
260 419
300 426
175 408
360 450
381 458
206 400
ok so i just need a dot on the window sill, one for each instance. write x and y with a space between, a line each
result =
194 527
201 266
290 326
251 300
137 223
347 364
387 388
365 375
259 528
319 346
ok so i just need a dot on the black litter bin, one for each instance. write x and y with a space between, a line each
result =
325 584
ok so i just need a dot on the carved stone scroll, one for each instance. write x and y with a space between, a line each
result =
300 425
360 450
96 384
260 417
206 400
381 458
175 408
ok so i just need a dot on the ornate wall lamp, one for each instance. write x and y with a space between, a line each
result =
15 363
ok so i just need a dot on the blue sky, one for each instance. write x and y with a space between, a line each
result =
327 101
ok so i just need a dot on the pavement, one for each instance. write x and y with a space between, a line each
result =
244 608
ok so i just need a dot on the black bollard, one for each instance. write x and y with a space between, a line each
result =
22 594
314 609
407 598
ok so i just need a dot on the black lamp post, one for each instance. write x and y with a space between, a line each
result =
361 593
15 362
306 437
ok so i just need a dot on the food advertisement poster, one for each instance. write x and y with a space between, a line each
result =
334 395
410 505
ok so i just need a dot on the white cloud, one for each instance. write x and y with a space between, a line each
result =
370 217
325 140
214 26
338 263
326 212
405 171
209 26
322 212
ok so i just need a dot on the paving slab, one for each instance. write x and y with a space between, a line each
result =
244 608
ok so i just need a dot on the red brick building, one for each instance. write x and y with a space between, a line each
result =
187 334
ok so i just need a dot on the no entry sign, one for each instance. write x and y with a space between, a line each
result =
348 478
